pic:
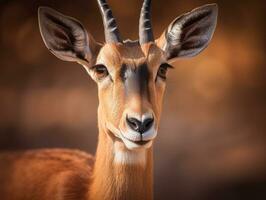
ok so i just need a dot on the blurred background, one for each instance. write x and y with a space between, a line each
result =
212 138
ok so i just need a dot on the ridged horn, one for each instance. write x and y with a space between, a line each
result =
111 31
145 27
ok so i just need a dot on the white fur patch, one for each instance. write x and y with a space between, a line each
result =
129 157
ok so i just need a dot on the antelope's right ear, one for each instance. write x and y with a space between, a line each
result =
190 33
66 38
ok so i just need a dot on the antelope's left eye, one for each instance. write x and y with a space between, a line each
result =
100 71
162 71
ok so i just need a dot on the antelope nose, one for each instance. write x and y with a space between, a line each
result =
139 126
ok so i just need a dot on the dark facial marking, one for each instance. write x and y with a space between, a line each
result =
123 72
136 80
143 76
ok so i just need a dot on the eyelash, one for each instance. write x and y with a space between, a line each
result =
163 70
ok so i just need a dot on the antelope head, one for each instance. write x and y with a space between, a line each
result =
131 75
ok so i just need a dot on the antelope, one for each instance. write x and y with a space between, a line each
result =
131 79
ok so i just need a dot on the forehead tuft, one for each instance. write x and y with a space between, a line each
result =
127 50
116 54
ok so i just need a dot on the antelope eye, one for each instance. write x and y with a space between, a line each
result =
100 71
162 71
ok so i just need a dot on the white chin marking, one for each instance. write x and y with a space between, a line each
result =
127 157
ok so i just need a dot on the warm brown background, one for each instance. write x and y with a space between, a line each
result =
212 140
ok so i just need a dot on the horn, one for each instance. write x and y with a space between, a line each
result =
145 28
111 31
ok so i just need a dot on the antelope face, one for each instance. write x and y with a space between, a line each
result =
130 75
131 82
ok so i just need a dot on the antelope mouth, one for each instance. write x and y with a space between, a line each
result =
142 142
138 142
134 143
133 140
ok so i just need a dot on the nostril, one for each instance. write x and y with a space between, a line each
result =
134 123
147 124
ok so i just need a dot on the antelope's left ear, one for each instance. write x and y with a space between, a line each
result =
190 33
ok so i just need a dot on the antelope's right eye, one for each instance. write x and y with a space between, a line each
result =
100 71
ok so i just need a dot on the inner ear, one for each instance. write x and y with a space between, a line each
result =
66 38
190 33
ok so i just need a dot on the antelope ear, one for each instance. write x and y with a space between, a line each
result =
66 38
190 33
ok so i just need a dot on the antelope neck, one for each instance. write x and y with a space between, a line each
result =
119 173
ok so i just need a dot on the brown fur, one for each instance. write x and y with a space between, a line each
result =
68 174
132 54
131 82
119 182
45 174
111 180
